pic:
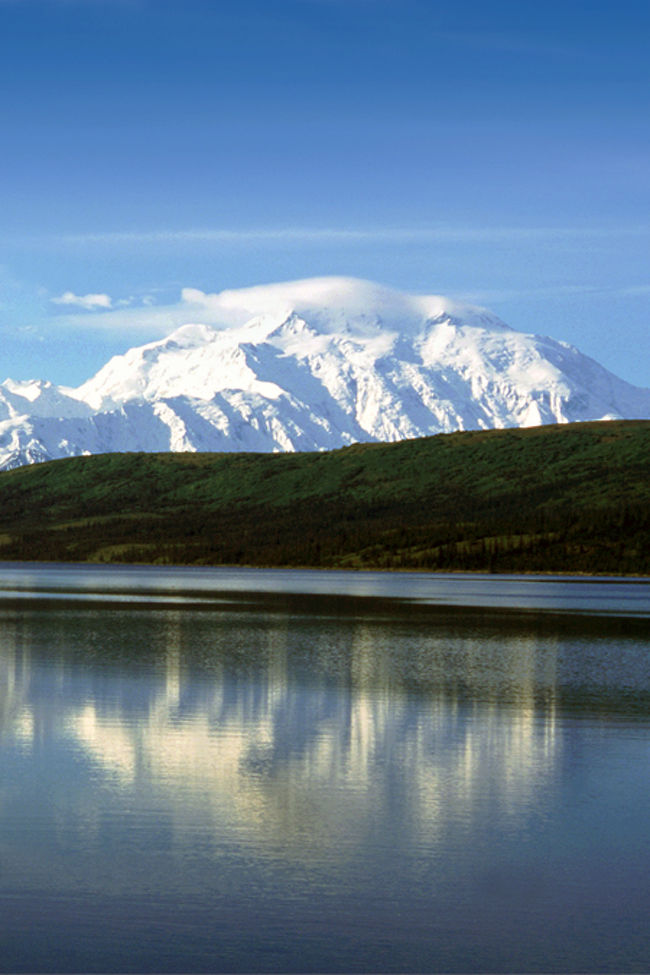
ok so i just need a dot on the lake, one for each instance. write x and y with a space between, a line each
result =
217 770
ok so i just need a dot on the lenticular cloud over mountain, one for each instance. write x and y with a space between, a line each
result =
312 365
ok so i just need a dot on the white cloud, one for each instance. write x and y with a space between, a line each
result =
144 319
87 302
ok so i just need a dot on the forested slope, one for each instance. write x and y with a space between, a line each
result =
570 498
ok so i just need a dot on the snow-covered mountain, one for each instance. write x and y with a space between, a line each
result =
311 365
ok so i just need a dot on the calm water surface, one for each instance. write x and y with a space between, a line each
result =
249 771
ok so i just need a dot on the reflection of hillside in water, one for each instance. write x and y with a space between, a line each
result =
291 733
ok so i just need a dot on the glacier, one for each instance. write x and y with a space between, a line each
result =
315 364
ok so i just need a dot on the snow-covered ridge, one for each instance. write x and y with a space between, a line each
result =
310 365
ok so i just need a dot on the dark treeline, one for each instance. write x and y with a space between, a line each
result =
554 499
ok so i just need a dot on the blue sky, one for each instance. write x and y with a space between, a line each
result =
498 151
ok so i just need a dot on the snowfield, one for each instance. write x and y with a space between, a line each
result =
313 365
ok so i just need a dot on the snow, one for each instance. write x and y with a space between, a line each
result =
312 365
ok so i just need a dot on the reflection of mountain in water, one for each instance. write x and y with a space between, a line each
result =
264 725
342 786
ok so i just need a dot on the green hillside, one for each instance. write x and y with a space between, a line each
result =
572 498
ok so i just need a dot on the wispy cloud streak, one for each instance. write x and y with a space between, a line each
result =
342 235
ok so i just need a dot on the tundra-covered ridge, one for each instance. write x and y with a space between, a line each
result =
313 365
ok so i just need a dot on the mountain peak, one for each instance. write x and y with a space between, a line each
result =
313 364
331 304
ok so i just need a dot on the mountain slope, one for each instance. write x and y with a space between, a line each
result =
563 498
314 365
